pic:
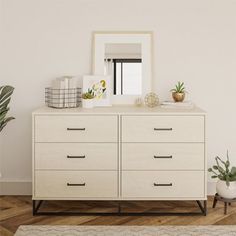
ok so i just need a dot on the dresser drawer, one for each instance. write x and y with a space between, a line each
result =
77 156
163 156
163 184
62 128
162 128
75 184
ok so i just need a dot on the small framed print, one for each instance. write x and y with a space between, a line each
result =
100 86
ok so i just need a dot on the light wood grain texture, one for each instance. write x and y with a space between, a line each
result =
82 156
92 184
119 109
179 184
164 156
96 128
179 129
130 140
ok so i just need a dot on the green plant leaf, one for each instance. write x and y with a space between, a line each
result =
227 180
5 98
233 170
218 158
233 178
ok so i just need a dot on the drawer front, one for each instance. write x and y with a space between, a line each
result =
162 128
77 156
75 184
163 156
76 128
163 184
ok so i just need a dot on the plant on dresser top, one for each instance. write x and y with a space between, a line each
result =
88 98
5 98
178 93
226 185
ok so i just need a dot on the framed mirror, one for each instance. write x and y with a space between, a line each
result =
127 58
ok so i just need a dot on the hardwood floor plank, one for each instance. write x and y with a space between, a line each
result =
229 219
17 210
5 232
11 212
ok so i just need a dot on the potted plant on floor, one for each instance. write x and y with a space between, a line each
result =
87 99
178 93
226 184
5 98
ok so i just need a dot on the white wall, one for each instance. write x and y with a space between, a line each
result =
194 40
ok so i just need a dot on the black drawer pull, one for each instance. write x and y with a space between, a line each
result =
82 129
163 157
68 184
161 185
163 129
76 156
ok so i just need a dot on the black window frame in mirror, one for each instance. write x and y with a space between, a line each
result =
122 60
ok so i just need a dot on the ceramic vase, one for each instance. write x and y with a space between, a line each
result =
87 103
226 191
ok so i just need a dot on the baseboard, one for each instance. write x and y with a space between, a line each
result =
25 188
15 188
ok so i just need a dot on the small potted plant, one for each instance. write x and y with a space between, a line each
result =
178 93
226 184
87 99
5 98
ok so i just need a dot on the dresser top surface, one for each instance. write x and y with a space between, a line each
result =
126 110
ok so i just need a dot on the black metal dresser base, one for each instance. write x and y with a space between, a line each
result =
119 212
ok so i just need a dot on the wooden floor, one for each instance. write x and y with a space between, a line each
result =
17 210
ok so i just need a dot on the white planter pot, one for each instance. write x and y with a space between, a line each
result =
226 191
87 103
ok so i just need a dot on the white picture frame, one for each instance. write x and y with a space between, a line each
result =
100 84
145 39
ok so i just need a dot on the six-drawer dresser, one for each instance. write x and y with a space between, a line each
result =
119 153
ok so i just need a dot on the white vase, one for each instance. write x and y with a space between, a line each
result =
226 191
87 103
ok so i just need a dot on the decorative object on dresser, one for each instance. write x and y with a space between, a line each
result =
5 98
178 93
151 100
127 58
119 153
99 85
139 102
87 99
226 184
176 105
63 93
62 98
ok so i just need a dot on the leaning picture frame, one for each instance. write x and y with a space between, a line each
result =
100 86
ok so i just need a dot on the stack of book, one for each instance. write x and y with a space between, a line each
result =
64 90
181 105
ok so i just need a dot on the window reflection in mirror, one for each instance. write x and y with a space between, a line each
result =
123 62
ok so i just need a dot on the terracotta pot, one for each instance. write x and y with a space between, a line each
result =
178 97
226 191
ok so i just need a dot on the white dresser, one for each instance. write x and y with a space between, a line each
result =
119 153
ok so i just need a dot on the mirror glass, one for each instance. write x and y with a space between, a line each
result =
123 62
126 58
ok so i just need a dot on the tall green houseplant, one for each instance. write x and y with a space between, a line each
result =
5 98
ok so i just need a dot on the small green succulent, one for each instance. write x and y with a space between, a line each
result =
179 88
222 170
88 95
5 98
